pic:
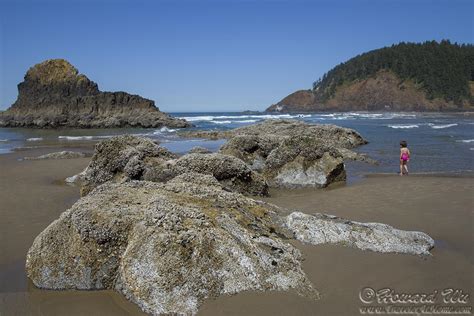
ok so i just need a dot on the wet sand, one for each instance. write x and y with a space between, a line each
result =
32 196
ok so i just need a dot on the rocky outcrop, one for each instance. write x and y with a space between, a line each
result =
60 155
230 171
331 134
326 229
124 158
189 236
303 162
293 154
167 247
54 94
286 154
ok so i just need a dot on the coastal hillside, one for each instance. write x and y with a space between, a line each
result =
54 94
430 76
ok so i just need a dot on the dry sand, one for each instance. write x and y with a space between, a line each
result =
32 196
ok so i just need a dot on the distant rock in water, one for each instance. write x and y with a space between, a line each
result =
54 94
430 76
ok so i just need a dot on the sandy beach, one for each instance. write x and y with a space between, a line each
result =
32 195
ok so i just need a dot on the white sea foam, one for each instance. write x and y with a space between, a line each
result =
443 126
221 122
76 137
246 121
164 129
362 115
4 140
403 126
465 140
87 137
401 115
212 118
335 116
197 118
34 139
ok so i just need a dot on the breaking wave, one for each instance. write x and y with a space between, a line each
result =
402 126
76 137
246 121
84 137
214 118
253 118
34 139
164 129
356 115
443 126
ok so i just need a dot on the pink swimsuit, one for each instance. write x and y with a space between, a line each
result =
404 157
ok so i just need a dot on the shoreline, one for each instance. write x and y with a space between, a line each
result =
436 204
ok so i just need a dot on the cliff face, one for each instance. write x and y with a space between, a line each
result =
54 94
382 92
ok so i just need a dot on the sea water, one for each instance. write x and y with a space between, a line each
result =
439 142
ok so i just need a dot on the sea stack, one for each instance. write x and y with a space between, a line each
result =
54 94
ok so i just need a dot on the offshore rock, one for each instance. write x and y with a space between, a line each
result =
54 94
167 247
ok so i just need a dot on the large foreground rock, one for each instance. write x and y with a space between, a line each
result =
124 158
167 247
54 94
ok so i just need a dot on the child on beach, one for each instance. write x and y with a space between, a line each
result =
404 157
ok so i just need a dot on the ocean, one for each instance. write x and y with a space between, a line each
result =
439 142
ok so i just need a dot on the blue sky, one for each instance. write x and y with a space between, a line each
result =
212 55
